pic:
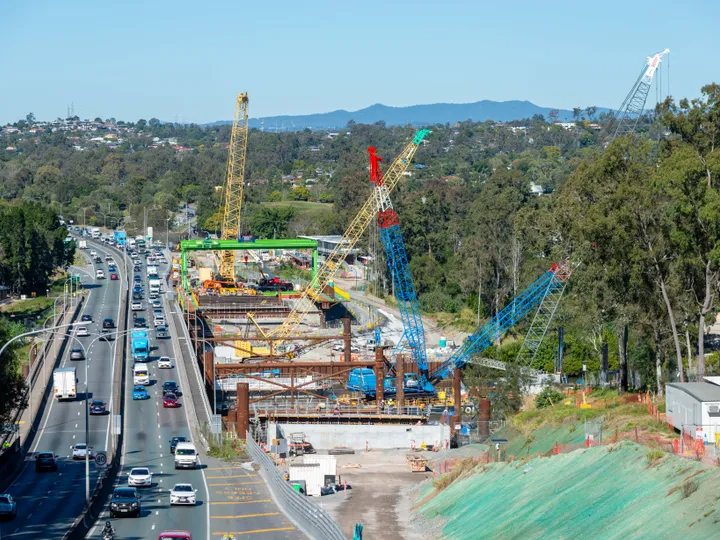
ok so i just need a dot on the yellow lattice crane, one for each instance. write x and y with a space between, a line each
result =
234 184
355 230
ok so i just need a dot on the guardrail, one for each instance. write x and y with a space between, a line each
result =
309 517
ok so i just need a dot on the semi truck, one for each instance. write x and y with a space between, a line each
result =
65 383
140 345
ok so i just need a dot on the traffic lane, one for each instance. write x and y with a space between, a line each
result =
241 504
150 428
62 424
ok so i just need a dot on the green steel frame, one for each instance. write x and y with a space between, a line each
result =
221 245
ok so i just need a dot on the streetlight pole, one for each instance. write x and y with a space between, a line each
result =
25 334
167 232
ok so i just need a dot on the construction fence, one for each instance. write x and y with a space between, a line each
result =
309 517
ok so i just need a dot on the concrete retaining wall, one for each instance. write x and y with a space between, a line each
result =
328 436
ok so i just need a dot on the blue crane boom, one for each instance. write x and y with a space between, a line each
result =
509 316
396 255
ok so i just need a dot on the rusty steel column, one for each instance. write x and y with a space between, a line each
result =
484 418
379 377
400 382
457 400
347 339
243 409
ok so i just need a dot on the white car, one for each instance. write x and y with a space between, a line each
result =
78 451
99 274
159 321
164 362
183 494
156 304
140 476
82 332
136 306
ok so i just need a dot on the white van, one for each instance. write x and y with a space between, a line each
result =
141 375
186 456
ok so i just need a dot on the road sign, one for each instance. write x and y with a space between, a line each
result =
100 459
117 424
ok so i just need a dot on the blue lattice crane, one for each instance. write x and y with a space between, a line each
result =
396 255
547 285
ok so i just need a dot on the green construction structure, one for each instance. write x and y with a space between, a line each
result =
256 245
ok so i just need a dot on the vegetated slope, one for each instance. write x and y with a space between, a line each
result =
617 491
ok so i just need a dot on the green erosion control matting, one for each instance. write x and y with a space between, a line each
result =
604 492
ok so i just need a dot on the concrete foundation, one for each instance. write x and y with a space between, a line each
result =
380 437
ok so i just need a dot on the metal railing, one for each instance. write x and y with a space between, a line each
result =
309 517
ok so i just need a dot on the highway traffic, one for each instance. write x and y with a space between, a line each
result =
48 501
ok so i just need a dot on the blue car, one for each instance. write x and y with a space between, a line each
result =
139 392
112 268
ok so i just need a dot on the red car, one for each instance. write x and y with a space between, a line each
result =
175 535
170 401
114 277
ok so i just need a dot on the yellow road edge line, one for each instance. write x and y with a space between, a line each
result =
242 502
257 531
235 484
246 516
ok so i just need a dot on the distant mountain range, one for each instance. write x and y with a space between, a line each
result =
416 115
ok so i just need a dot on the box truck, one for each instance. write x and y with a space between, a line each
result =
65 383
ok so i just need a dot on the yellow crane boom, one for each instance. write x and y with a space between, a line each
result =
355 230
234 184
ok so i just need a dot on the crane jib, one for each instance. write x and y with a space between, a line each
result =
510 315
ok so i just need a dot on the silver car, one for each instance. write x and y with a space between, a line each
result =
140 476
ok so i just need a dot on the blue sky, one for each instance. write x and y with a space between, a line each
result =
186 61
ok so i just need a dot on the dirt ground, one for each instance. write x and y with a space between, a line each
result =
379 498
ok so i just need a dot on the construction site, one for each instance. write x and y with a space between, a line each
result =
306 367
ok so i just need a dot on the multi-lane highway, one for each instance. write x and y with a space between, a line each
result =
48 502
148 429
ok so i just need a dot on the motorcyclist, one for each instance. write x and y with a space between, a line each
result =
108 531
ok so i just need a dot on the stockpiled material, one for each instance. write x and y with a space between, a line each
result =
615 491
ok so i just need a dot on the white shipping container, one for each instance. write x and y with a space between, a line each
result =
328 464
694 405
311 473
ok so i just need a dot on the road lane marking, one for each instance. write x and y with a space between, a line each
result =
256 531
246 516
241 502
234 484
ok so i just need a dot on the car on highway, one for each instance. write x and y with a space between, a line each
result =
86 318
159 320
161 332
164 362
183 494
170 401
112 268
79 450
106 335
136 306
157 304
82 331
139 322
137 296
108 258
137 278
139 392
8 506
140 476
99 274
97 406
175 535
108 323
125 502
76 353
114 277
174 442
45 461
170 387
